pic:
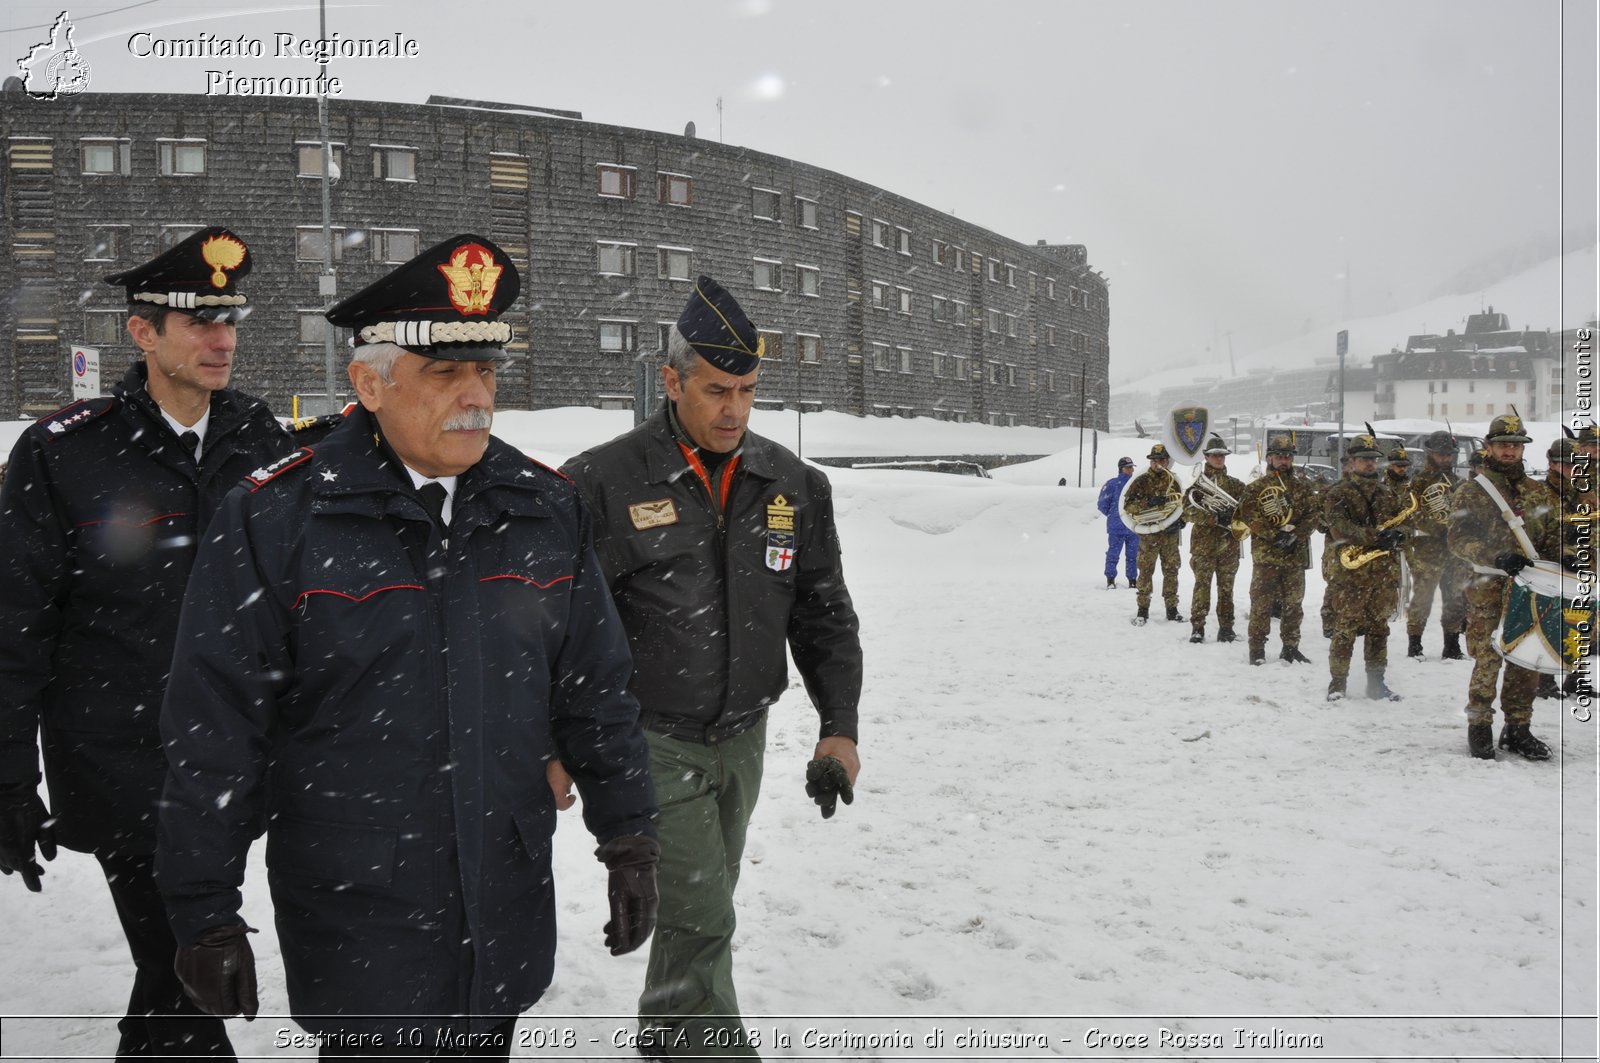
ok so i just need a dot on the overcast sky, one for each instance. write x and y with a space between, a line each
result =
1224 160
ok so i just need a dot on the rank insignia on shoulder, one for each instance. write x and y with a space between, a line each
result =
659 514
780 515
780 550
76 416
267 473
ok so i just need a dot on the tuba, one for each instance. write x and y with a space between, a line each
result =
1155 519
1208 495
1353 557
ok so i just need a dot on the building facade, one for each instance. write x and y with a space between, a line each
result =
872 304
1476 375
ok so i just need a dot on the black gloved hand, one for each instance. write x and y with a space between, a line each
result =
1225 517
827 782
219 972
1511 563
1285 540
24 823
1176 527
631 890
1390 538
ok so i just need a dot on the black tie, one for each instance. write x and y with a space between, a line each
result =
433 496
191 443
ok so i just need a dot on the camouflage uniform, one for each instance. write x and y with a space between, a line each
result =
1478 535
1433 567
1361 598
1213 551
1152 488
1278 575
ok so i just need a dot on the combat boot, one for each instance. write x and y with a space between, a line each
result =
1173 614
1515 738
1452 646
1258 654
1142 617
1414 647
1336 688
1378 690
1480 740
1547 687
1197 635
1293 655
1225 634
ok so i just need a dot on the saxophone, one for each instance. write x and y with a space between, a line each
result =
1353 557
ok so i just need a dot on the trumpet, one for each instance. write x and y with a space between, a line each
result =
1353 557
1210 496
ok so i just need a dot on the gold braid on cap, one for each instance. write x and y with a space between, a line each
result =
187 300
432 333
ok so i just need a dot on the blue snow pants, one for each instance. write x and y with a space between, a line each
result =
1120 541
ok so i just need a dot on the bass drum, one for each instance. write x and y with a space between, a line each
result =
1547 619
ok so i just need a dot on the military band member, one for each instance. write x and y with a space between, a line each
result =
1280 510
1213 548
1151 489
1356 509
1329 554
1433 567
1481 535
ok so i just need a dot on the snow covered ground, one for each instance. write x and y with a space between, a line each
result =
1065 827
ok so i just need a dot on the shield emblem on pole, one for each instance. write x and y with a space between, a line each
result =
1189 426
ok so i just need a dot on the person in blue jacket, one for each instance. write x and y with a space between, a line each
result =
1121 538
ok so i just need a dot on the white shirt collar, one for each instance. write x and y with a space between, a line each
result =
446 482
198 428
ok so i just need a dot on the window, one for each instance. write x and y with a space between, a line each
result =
664 334
905 358
1444 385
173 235
180 158
1472 386
994 322
903 241
994 271
1050 287
1049 379
880 357
106 156
1511 387
905 300
619 337
941 308
615 259
1011 275
1488 409
1471 408
313 326
1011 376
772 350
1050 335
958 313
614 182
769 275
676 189
1072 296
1444 408
810 278
880 233
309 155
106 243
102 328
938 363
806 210
880 295
308 244
960 259
994 372
394 162
394 245
764 204
960 367
1011 325
674 263
810 348
941 253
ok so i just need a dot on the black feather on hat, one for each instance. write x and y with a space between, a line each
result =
716 327
198 276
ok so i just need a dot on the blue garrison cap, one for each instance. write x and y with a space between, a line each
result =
715 326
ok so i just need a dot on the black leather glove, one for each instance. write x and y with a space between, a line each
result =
1511 563
1285 540
827 783
631 890
1225 517
24 823
219 972
1176 527
1390 538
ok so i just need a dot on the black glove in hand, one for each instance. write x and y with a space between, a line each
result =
1390 538
24 823
826 783
1285 540
631 890
219 972
1225 517
1511 563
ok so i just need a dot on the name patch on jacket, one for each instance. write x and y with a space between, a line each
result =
780 534
656 514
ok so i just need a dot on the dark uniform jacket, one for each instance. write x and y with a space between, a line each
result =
382 699
1479 533
1262 505
1149 490
100 516
1431 523
712 594
1211 538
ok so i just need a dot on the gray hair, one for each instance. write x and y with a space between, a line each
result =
381 357
680 356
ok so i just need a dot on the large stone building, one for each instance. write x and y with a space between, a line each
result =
875 304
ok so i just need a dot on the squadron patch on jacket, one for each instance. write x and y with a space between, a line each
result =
76 416
780 534
267 473
659 514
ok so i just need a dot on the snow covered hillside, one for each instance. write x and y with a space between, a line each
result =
1064 824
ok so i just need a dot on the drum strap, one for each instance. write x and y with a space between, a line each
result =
1513 520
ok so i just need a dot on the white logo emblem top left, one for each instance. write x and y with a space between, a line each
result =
55 67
